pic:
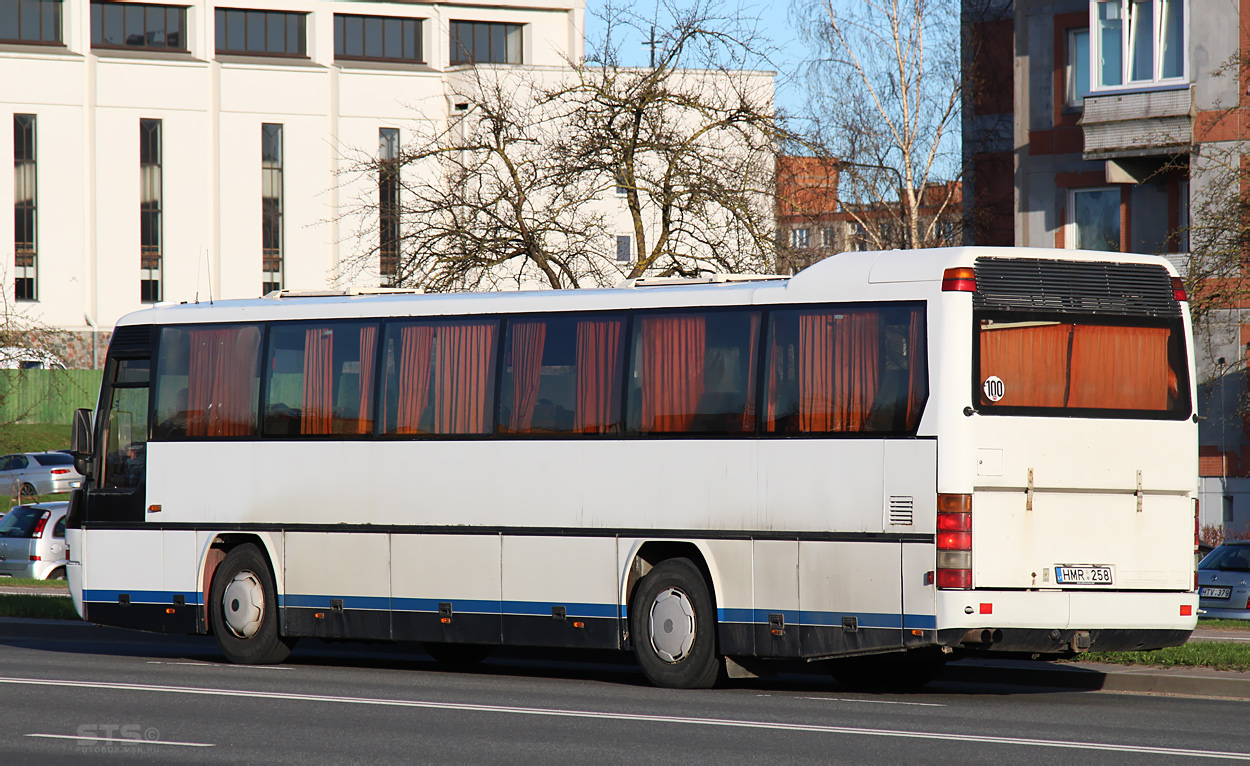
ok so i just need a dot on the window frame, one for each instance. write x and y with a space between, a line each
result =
26 260
221 32
455 25
1070 238
1128 28
59 21
1073 98
152 171
419 22
181 10
272 171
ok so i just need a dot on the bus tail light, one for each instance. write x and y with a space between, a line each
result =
1178 289
962 279
954 541
43 521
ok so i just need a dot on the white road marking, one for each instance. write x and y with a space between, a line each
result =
121 742
874 702
637 717
222 665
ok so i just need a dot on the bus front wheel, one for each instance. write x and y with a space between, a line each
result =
673 624
243 609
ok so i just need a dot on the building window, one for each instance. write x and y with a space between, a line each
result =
24 241
377 37
1076 68
271 207
30 21
261 33
1138 41
475 42
150 211
1228 509
1096 218
624 248
800 237
622 188
828 237
135 25
388 204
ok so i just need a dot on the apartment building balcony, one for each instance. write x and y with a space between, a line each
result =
1150 123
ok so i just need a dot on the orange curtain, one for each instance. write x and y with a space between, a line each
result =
598 369
917 384
838 369
416 344
528 340
318 408
222 381
1123 368
368 344
463 354
1032 362
673 350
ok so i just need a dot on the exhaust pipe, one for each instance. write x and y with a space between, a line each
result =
983 636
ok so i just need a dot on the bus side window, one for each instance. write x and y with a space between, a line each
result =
439 377
126 437
207 381
694 372
320 379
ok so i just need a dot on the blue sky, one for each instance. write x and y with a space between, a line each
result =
775 24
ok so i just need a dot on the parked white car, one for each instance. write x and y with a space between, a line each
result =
38 473
32 542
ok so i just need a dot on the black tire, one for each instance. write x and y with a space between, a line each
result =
28 490
681 653
898 672
57 574
458 655
257 642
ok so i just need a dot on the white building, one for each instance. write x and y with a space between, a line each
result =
178 152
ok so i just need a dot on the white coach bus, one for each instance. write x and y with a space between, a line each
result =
900 454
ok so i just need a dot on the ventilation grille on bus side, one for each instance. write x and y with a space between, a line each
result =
1033 284
131 339
901 510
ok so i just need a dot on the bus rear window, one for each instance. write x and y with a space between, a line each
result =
1093 366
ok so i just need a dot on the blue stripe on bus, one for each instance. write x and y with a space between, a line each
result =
142 596
533 608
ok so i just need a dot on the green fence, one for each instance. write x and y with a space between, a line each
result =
46 396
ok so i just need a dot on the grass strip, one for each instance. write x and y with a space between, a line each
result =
1232 624
27 582
36 606
1196 654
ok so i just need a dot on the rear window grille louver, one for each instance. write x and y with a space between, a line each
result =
1072 287
901 510
131 339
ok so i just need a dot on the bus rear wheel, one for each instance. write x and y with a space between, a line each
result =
673 624
242 609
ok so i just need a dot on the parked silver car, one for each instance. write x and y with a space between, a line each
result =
38 473
32 542
1224 582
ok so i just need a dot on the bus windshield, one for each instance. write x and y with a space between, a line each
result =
1090 366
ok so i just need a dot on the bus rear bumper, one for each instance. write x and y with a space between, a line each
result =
1064 622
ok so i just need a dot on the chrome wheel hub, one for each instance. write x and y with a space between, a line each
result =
671 625
244 604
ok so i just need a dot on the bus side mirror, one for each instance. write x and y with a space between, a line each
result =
80 440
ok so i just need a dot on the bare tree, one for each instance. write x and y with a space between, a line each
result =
478 203
885 96
689 141
524 182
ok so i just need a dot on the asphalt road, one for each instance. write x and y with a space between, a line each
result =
146 698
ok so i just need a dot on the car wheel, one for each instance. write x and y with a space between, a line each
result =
673 625
57 574
243 609
28 490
